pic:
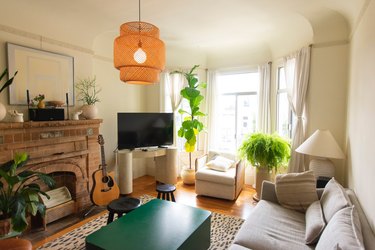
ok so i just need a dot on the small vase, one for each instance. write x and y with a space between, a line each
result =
41 104
3 111
89 111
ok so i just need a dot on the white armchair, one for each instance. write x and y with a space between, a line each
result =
224 185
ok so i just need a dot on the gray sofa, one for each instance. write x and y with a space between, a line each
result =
271 226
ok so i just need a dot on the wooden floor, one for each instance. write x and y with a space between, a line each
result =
184 194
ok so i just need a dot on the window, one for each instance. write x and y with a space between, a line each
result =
284 112
236 109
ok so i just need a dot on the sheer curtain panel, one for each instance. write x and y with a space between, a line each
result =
211 110
264 114
297 70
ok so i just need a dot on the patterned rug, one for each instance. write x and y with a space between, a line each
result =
223 230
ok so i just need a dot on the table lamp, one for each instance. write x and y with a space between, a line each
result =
322 145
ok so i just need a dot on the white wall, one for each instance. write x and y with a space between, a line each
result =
361 114
327 94
83 63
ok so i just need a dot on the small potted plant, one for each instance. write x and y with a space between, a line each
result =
88 94
191 126
266 153
3 111
19 194
40 101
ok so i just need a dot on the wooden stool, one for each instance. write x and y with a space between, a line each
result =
166 191
121 206
15 244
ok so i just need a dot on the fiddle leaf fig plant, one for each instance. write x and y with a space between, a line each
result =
19 192
191 126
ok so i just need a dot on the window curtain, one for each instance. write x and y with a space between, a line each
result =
211 110
297 70
264 113
171 86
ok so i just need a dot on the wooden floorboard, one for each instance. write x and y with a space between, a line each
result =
185 194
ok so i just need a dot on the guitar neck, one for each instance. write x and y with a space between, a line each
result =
104 165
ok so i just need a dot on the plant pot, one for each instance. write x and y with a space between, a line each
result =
3 111
89 111
261 175
41 104
188 176
4 226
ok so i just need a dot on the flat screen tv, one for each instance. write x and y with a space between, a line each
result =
142 130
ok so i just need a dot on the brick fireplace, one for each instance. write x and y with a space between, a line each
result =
66 150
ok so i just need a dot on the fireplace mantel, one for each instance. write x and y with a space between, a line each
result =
56 146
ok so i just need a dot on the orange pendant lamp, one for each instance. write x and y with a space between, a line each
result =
139 54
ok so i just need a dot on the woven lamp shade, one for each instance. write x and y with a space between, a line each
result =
135 35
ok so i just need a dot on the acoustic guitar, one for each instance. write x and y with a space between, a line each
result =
105 188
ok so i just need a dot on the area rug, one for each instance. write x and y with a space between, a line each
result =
223 230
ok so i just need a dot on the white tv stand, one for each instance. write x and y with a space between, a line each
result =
165 166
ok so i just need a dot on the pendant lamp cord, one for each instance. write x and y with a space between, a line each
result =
139 11
139 23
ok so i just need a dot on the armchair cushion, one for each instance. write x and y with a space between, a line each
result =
220 163
207 174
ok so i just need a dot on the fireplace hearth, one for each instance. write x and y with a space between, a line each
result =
66 150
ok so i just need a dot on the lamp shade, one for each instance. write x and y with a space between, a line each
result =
139 54
321 144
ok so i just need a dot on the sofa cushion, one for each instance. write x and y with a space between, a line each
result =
220 163
271 226
333 199
207 174
342 232
296 190
314 222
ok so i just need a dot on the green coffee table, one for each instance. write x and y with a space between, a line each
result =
157 224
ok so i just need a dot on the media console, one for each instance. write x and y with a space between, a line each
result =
165 166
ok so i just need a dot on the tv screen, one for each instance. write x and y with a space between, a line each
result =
140 130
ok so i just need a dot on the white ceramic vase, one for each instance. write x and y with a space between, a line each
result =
89 111
3 111
188 176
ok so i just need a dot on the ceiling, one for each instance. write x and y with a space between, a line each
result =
209 25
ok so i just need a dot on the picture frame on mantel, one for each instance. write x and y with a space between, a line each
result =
40 72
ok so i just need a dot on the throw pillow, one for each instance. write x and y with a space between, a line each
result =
296 190
333 199
342 232
220 163
314 222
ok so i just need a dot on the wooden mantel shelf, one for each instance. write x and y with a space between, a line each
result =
33 124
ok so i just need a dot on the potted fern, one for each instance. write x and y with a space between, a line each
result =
19 194
266 153
191 126
88 94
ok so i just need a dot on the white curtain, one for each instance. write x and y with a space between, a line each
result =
297 70
171 86
264 112
164 99
211 107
